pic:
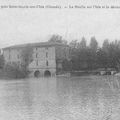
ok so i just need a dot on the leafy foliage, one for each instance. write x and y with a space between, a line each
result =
14 71
2 61
58 39
91 57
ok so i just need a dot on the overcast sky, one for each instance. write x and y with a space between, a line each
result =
18 26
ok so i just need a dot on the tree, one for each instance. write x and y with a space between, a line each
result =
102 59
73 44
82 54
16 70
82 44
92 53
114 55
2 61
58 39
13 70
93 44
66 65
105 45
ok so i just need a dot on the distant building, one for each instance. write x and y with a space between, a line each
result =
47 57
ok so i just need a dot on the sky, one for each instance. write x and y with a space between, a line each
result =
27 25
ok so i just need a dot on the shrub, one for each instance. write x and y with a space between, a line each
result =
14 71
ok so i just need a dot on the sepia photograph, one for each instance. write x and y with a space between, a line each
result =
59 60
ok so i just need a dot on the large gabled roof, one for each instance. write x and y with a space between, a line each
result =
39 44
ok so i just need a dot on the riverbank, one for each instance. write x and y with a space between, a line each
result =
11 74
6 75
86 75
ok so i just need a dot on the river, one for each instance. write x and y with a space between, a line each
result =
75 98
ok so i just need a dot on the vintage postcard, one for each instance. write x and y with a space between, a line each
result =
59 60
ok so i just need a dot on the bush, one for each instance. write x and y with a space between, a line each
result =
14 71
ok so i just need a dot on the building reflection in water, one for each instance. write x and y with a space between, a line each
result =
57 98
30 99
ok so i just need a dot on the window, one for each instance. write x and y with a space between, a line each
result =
18 56
46 63
37 63
46 48
36 55
9 55
46 54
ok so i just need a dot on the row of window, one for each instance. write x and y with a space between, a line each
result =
36 53
18 56
46 55
45 48
18 62
46 52
46 63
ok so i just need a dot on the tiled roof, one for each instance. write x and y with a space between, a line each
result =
40 44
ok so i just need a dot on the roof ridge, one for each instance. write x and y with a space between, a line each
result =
47 43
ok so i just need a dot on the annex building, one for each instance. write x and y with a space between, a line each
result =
47 57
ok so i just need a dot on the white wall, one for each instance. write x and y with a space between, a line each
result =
11 55
37 63
41 58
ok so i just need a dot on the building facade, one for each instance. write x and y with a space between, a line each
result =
47 57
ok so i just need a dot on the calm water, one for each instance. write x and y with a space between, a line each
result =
85 98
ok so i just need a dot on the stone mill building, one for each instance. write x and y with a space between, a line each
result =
47 57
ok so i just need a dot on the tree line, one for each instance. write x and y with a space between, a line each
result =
82 56
91 56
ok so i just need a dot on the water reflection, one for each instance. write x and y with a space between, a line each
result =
58 99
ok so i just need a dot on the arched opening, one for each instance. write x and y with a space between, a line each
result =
37 73
47 73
